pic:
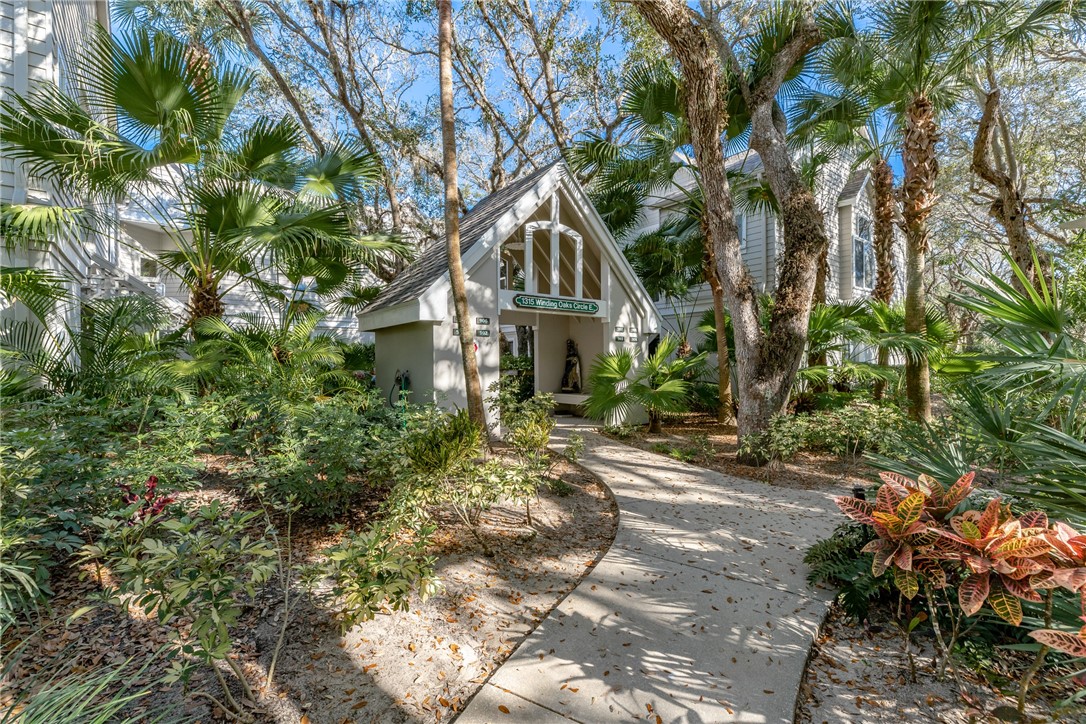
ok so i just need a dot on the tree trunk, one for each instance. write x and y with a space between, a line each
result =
822 277
994 161
884 250
523 336
884 231
918 191
766 365
725 412
656 423
238 15
204 301
452 217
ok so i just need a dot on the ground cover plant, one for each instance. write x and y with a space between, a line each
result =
199 198
193 512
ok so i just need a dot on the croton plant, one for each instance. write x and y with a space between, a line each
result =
991 555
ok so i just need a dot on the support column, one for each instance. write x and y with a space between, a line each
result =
555 243
529 259
605 282
578 267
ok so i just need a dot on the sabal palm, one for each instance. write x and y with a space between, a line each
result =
617 383
1039 342
1038 370
655 150
624 176
159 128
920 52
1024 395
849 112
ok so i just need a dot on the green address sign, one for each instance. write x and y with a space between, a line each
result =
529 301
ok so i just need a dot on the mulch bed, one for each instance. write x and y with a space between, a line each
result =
859 672
421 665
714 445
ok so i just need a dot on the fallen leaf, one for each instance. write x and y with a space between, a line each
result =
503 708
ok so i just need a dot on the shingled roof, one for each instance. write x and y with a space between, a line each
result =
434 261
852 187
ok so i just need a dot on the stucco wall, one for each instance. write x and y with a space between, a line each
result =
448 371
551 335
406 347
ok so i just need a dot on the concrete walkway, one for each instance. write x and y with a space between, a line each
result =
698 613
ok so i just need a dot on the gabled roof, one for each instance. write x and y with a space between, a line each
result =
433 262
852 188
420 292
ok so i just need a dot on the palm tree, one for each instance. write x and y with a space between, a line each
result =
849 112
472 383
625 176
293 359
121 347
920 53
617 384
242 206
670 262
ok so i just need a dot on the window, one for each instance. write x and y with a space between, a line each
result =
148 267
741 225
863 255
671 214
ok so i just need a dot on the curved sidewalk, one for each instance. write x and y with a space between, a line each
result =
699 612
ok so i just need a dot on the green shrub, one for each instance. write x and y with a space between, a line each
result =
196 567
847 431
620 432
517 381
786 436
64 460
854 429
838 561
374 568
358 357
325 462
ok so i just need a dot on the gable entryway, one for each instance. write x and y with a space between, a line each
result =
536 254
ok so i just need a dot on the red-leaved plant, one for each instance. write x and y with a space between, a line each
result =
907 517
149 504
995 557
1069 548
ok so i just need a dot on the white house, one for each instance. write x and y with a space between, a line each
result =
536 254
39 42
846 199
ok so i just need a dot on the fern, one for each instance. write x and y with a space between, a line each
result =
837 561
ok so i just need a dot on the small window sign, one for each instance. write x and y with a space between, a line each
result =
620 329
482 333
619 338
456 331
633 337
482 321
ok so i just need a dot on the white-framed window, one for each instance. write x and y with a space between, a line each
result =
863 254
741 225
148 267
